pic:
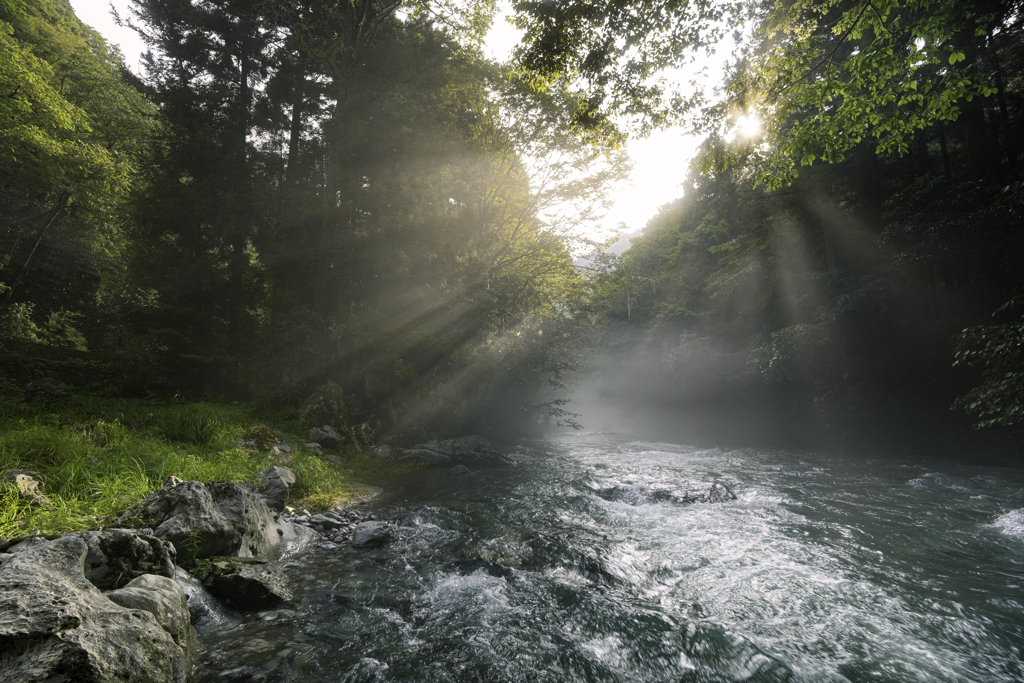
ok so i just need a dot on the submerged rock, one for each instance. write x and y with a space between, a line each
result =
246 584
641 494
58 627
458 470
372 534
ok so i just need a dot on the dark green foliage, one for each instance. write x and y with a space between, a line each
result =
1000 350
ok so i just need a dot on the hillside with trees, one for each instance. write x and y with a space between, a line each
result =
295 193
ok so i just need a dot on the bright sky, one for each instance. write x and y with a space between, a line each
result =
659 162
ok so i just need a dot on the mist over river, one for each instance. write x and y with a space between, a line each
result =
580 563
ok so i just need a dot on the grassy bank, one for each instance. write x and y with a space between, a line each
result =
102 455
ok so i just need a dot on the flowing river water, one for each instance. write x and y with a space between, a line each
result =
580 563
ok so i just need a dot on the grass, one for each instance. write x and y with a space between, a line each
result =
101 456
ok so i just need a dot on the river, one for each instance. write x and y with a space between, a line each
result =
579 564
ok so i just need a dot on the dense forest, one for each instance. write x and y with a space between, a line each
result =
301 192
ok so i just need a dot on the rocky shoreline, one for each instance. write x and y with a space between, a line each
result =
119 604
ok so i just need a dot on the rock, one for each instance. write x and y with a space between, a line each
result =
328 521
56 626
245 584
424 455
313 447
371 534
265 440
215 518
164 599
326 406
462 447
117 556
201 605
276 483
325 436
31 485
458 470
385 453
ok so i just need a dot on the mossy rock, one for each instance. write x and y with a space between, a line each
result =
326 406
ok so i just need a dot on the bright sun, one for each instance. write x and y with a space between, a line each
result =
748 126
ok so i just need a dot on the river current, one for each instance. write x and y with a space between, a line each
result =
582 562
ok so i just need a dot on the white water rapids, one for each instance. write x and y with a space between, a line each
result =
579 564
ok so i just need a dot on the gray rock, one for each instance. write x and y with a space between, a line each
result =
327 521
325 436
246 585
202 606
462 447
424 455
385 453
117 556
276 483
371 534
164 599
56 626
31 485
458 470
215 518
313 447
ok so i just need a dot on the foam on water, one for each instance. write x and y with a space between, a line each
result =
586 563
1011 524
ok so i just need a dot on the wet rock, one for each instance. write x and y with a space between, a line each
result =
371 534
58 627
325 436
276 483
424 455
641 494
458 470
164 599
464 447
31 485
215 518
246 584
202 606
117 556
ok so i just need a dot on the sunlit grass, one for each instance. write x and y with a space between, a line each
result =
101 456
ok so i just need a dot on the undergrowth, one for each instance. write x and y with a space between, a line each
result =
101 456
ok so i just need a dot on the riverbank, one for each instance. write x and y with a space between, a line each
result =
100 456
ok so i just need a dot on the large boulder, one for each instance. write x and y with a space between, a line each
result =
165 600
326 406
213 518
56 626
117 556
31 485
276 481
